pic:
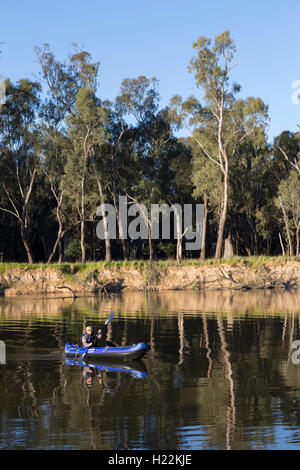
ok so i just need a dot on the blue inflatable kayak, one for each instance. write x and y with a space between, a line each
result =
136 351
110 367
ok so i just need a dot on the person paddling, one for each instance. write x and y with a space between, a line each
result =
89 338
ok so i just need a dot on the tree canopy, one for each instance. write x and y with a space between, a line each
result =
64 151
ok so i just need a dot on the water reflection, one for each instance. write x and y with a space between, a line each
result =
233 303
91 370
218 374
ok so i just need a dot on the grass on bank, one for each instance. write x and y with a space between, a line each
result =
73 268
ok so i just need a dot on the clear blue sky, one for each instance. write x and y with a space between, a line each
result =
154 38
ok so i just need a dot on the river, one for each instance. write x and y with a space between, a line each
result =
221 372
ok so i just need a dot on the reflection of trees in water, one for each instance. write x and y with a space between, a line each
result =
256 302
226 376
207 347
231 410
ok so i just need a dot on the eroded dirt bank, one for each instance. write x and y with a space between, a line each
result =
18 280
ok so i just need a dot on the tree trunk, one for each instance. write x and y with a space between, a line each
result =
179 235
25 231
60 232
179 250
297 239
26 244
60 251
203 247
281 244
114 192
82 241
123 241
286 221
100 189
222 219
150 242
82 223
57 243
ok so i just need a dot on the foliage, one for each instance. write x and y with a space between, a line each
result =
73 249
64 151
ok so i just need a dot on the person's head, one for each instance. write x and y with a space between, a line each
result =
90 374
89 380
89 330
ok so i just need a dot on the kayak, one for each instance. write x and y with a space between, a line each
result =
135 370
136 351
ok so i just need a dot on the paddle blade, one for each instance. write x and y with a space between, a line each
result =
109 318
81 358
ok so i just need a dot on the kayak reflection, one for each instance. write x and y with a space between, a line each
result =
94 369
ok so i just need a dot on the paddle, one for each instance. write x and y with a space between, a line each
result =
107 321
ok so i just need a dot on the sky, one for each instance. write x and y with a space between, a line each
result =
154 38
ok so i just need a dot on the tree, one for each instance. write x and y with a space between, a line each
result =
84 132
289 202
223 123
252 185
207 185
139 99
117 157
19 141
54 147
73 84
288 144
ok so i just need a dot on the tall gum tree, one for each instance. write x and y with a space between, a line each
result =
19 139
62 82
54 148
288 144
288 200
223 122
73 85
85 131
139 99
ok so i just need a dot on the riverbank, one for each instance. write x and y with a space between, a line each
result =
107 278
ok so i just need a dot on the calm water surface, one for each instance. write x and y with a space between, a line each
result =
218 373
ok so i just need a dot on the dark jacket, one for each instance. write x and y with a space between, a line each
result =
86 339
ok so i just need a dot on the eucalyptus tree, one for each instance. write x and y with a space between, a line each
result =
62 83
176 182
73 84
223 122
20 153
54 148
207 183
289 202
116 152
139 99
85 131
288 145
252 185
62 78
156 152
